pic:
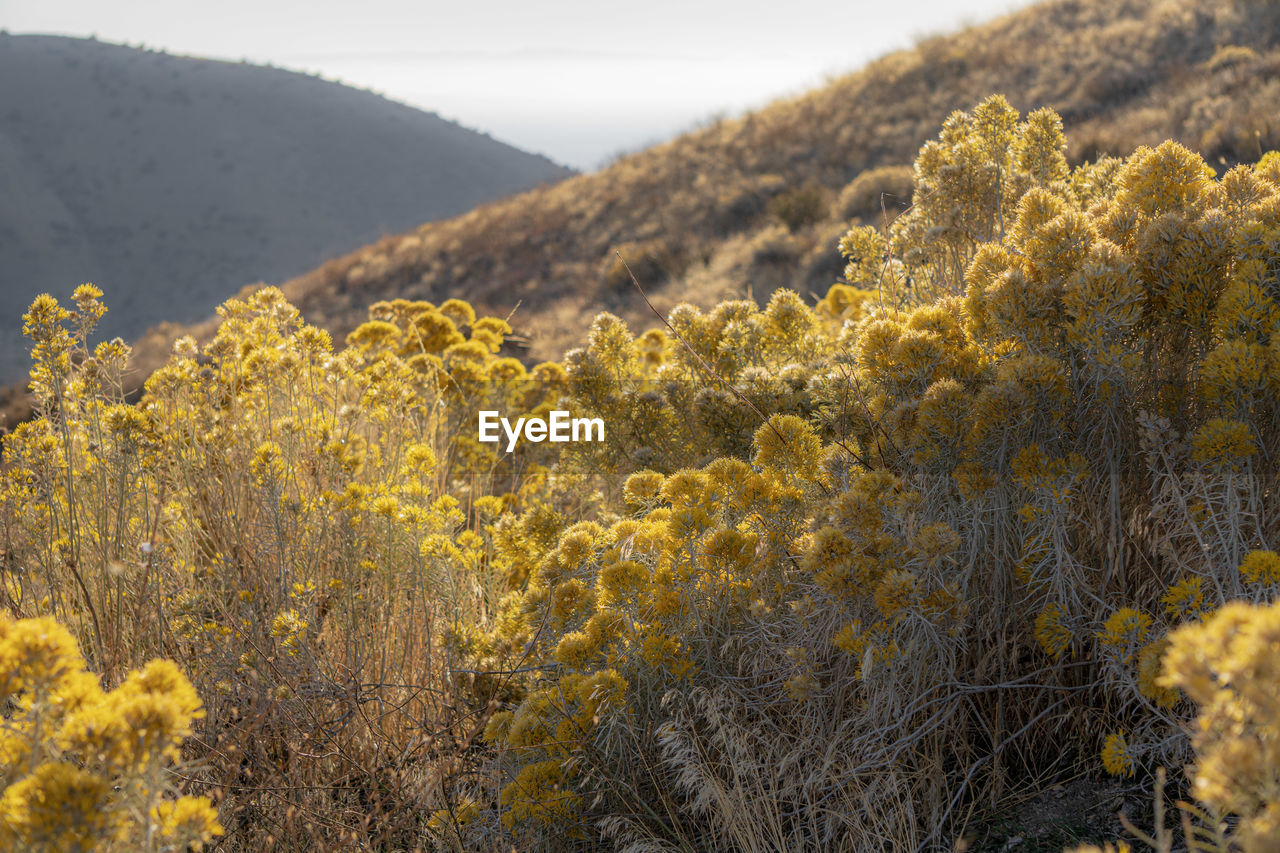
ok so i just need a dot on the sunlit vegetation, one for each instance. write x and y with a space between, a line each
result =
88 770
306 531
849 574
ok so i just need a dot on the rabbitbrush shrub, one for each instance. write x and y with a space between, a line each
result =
842 576
879 560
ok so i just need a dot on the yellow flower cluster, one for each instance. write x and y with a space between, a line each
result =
1223 443
1228 665
1262 568
1125 630
1052 633
1116 758
86 769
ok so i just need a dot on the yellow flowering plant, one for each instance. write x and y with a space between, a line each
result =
1022 438
87 769
303 527
838 573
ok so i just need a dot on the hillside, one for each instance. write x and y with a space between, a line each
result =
698 217
696 212
172 182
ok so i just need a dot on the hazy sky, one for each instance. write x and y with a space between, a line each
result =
578 80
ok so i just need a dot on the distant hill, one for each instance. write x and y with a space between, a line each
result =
754 203
172 182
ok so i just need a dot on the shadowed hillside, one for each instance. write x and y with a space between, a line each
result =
173 182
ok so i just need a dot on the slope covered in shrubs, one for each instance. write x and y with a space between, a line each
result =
842 576
758 201
751 204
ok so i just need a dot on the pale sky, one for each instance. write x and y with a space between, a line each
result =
577 80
